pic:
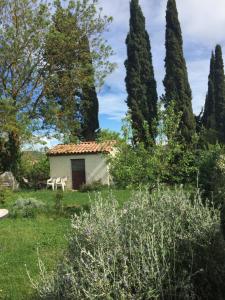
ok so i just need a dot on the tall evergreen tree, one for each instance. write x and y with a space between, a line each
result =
219 94
176 82
89 106
213 118
89 113
208 118
140 80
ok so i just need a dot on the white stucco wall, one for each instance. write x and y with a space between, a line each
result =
95 167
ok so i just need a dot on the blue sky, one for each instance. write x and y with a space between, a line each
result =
203 24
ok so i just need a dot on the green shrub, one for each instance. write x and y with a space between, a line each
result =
170 164
27 208
77 209
5 194
108 135
159 246
168 161
212 174
35 171
94 186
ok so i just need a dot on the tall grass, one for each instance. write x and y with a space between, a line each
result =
164 245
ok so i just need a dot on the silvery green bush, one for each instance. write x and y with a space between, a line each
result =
163 245
26 208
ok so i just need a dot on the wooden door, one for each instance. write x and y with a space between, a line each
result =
78 173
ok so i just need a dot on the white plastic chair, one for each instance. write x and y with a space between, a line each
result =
51 182
61 182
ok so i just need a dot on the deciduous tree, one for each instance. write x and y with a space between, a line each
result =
23 27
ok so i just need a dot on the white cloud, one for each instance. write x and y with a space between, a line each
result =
113 106
203 20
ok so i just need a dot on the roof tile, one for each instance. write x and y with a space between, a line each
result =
82 148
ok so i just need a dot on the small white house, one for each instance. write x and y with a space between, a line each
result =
81 163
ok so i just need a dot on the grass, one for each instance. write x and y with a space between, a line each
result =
22 239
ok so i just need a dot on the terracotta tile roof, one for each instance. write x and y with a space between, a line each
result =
82 148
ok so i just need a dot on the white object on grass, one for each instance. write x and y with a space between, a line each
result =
51 183
61 182
3 213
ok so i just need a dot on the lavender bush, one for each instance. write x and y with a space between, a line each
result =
163 245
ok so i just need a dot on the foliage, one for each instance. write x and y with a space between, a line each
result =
94 186
75 46
70 210
211 166
207 136
10 159
36 171
140 80
5 194
208 118
24 26
176 82
108 135
133 166
121 253
138 166
26 208
89 112
214 111
89 106
219 94
169 161
40 53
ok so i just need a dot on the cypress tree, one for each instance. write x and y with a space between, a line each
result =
140 80
89 106
89 111
219 94
177 87
208 118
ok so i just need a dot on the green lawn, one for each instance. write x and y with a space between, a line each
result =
22 239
